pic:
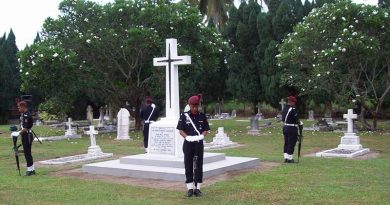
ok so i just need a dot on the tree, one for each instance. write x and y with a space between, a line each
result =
214 10
243 80
341 50
9 78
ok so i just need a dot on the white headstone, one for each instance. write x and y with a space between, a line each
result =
123 119
70 132
164 138
94 149
90 114
282 103
311 115
234 114
221 137
101 117
350 116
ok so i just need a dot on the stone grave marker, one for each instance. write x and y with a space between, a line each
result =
123 126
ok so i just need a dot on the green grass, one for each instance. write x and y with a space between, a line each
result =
313 181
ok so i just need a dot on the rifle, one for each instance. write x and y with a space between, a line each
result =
300 139
35 136
16 148
195 170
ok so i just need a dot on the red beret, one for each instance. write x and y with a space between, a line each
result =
193 100
22 104
148 99
292 99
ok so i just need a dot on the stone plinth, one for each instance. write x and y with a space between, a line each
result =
167 167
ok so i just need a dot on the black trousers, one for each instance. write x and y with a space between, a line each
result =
290 138
190 150
146 134
27 140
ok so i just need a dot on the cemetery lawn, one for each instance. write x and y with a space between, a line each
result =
312 181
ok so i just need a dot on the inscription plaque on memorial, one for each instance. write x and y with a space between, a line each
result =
162 140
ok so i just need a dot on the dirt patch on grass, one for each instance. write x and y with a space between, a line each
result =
160 184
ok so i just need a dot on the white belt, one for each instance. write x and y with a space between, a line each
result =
293 125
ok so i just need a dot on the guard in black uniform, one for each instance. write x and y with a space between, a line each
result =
26 123
149 114
193 126
290 128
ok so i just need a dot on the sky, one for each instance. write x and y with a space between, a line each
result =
26 17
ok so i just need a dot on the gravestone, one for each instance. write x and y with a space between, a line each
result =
311 115
70 132
94 152
220 141
254 129
282 104
90 114
217 109
101 117
38 122
164 159
350 143
123 126
234 114
106 116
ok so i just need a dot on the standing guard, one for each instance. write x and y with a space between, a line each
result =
290 128
193 126
149 114
26 123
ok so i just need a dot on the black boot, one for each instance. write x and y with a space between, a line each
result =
190 192
198 193
29 173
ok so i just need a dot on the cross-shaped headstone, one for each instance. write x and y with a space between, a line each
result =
92 132
282 103
69 123
350 116
171 62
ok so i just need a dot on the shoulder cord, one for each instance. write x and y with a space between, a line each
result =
192 123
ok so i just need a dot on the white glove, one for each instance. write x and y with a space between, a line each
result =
153 105
190 138
300 123
15 134
199 137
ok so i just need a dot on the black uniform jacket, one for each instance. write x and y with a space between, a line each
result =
199 119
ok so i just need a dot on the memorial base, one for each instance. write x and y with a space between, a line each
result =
168 167
165 139
342 153
76 159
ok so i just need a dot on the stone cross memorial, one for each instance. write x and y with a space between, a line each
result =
350 143
123 124
70 132
164 158
164 138
93 149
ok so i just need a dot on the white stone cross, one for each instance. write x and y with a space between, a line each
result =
171 62
350 116
282 103
69 123
92 132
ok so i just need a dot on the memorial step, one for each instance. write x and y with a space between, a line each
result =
167 161
115 168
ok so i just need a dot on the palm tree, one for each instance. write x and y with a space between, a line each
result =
214 10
